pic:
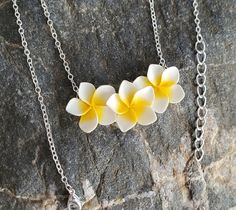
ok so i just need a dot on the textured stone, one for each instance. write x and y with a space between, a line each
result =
107 41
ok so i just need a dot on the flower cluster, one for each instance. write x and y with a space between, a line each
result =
134 103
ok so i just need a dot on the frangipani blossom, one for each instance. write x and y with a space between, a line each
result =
164 83
132 106
91 106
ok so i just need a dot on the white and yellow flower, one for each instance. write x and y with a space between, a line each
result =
91 106
132 106
164 83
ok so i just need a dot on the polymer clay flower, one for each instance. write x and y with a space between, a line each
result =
164 83
132 106
91 106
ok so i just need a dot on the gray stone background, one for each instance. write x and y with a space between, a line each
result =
107 41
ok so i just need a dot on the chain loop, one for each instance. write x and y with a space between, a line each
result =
200 45
201 57
201 112
156 34
41 100
201 86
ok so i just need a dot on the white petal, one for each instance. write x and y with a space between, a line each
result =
77 107
105 115
170 76
102 94
141 82
147 117
126 121
177 94
154 74
116 104
89 121
160 104
144 97
86 91
127 91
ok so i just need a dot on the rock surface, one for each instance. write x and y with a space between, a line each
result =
107 41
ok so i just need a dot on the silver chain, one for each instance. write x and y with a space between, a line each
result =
62 55
156 33
201 87
41 100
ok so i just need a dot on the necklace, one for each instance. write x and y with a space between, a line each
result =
143 92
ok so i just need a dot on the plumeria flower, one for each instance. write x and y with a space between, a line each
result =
164 83
91 106
132 106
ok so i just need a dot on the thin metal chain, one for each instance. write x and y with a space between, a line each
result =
62 55
41 100
156 33
201 87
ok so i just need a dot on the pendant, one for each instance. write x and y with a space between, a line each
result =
74 202
136 102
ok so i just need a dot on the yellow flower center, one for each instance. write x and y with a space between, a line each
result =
162 91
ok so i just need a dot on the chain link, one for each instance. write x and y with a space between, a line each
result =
201 87
41 100
62 55
156 33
